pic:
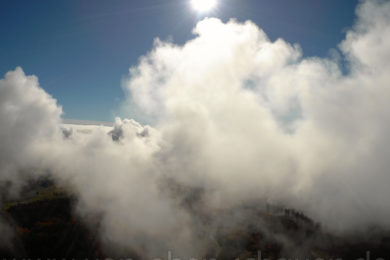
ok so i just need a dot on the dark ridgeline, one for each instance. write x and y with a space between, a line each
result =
45 227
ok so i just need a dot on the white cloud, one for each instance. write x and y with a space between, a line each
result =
238 117
250 118
28 115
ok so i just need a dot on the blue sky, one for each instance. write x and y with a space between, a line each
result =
81 50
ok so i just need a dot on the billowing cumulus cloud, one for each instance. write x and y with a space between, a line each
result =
256 119
249 118
237 118
28 115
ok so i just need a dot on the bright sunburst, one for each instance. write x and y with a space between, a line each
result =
203 5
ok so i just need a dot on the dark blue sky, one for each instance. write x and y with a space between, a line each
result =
81 50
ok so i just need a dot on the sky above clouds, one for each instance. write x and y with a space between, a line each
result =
82 50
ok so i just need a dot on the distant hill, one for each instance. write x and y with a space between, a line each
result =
86 122
45 227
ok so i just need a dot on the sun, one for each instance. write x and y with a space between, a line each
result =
204 5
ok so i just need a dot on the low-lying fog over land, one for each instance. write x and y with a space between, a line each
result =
226 135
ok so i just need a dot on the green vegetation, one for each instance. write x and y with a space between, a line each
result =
46 194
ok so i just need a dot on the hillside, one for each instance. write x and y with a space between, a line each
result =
45 227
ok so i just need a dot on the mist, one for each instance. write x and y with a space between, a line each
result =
234 119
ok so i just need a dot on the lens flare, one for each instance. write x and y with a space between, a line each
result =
203 5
